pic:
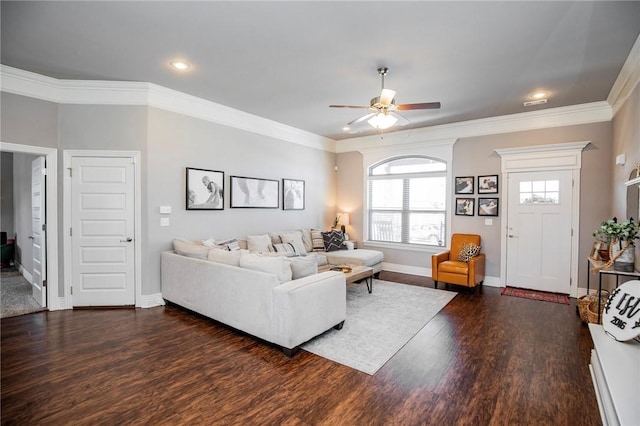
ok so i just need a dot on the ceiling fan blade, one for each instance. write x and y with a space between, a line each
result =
361 119
424 105
348 106
386 96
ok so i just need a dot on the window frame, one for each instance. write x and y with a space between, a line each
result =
405 211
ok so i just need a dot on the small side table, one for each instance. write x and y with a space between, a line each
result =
598 263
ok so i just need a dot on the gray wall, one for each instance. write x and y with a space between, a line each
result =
6 194
475 156
177 141
626 140
169 143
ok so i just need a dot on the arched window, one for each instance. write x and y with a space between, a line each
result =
407 201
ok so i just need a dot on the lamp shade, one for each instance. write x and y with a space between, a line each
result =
344 218
382 121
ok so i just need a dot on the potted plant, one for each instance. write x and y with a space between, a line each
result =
619 237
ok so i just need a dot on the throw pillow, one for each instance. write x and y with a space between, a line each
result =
333 240
259 243
295 239
468 251
307 239
276 265
303 267
211 243
230 244
190 249
316 240
285 249
225 256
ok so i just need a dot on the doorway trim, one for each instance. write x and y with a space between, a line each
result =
68 155
54 302
565 156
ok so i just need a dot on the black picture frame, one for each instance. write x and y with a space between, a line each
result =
204 189
488 206
464 185
488 184
465 206
292 194
251 193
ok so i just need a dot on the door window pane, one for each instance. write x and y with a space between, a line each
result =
540 192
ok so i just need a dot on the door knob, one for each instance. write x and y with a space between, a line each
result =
30 237
128 240
511 235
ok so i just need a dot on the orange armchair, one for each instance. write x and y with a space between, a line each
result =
446 268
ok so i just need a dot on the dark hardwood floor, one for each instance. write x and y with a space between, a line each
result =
485 359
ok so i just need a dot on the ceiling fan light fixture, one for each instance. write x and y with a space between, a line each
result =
382 121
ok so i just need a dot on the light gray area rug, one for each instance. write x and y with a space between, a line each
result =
379 324
16 295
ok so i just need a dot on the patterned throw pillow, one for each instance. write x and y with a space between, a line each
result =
333 240
317 240
468 251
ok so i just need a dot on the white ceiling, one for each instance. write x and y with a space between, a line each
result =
288 61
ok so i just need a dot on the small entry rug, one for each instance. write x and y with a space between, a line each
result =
379 324
15 295
535 295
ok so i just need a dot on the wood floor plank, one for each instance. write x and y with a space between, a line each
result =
485 359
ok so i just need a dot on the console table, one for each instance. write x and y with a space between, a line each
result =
598 263
615 371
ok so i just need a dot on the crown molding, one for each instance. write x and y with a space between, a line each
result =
94 92
627 80
552 117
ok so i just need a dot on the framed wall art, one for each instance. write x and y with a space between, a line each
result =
464 185
465 206
488 206
488 184
247 192
205 189
292 194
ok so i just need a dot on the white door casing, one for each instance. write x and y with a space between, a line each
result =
104 228
38 230
567 156
539 230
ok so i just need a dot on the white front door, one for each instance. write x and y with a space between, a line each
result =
102 198
539 230
38 233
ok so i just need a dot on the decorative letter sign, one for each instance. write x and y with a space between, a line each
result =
622 312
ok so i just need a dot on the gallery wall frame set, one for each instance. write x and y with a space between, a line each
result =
205 191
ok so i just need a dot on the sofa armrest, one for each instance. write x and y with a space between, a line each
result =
307 307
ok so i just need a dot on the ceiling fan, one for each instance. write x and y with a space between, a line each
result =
383 108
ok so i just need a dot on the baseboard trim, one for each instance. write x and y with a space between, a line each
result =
426 272
27 276
150 301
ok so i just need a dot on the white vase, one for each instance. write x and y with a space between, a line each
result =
626 261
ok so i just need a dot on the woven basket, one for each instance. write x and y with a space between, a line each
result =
588 306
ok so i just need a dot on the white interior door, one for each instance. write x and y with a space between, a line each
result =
38 233
102 198
539 230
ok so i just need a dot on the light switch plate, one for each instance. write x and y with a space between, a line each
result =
164 221
488 221
165 209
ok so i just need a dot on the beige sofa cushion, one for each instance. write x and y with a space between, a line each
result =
295 239
225 256
277 265
259 243
303 266
190 249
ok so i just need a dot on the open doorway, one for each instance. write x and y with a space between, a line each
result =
34 256
23 254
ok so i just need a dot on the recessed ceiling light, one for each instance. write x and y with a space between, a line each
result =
539 95
180 65
346 128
